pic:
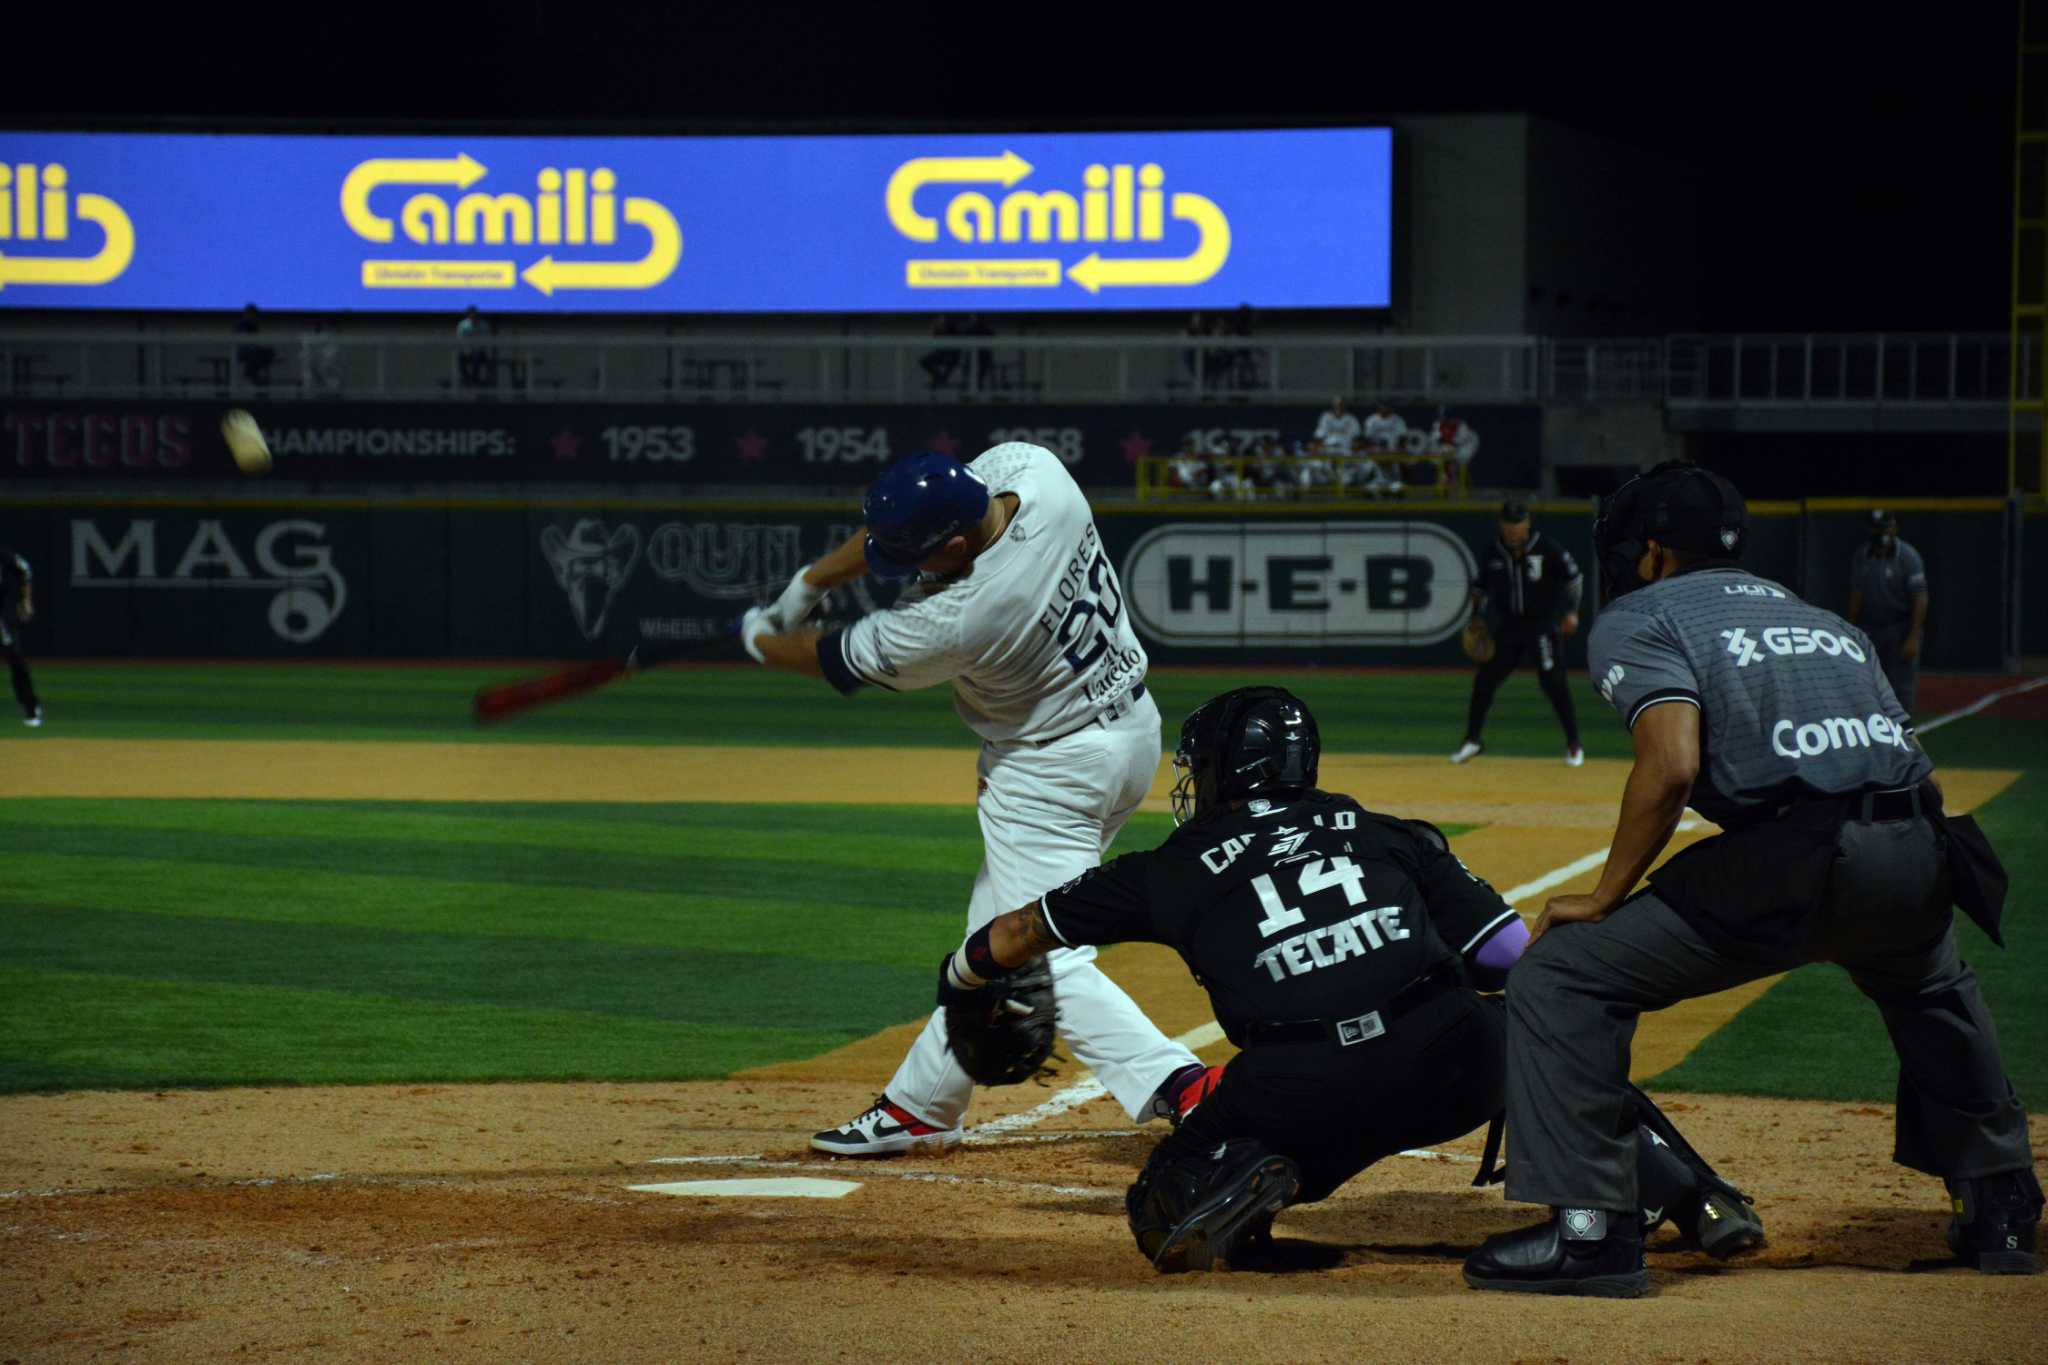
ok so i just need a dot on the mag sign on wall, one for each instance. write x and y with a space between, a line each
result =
940 223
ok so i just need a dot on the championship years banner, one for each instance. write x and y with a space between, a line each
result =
783 445
1298 218
319 581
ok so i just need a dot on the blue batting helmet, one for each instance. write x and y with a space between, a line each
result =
916 505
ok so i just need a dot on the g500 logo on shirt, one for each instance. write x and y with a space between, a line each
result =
1117 204
1787 640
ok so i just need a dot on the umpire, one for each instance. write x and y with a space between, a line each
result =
1888 598
17 609
1771 718
1527 599
1339 948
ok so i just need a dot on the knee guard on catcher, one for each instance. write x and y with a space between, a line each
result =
1674 1183
1196 1204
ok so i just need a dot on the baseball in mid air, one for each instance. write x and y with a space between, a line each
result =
245 442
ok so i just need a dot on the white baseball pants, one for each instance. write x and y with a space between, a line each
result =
1047 815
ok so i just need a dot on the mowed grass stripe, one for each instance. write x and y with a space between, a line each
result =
70 1031
878 919
741 704
691 985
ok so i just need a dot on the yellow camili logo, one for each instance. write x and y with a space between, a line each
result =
36 205
570 206
1117 203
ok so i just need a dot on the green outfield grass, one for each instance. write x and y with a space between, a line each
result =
1418 712
161 943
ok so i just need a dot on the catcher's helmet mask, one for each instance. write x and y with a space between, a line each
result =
1678 505
915 506
1255 741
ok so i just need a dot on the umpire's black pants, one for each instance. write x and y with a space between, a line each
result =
1433 1076
1574 998
1511 643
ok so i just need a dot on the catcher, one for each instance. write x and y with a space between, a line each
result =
1341 950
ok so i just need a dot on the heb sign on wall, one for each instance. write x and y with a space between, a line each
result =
1208 220
1293 583
706 443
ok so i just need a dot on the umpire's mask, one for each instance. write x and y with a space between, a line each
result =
1256 741
1678 505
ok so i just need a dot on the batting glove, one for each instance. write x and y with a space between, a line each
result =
753 626
797 602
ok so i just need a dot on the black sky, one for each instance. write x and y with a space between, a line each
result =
1855 164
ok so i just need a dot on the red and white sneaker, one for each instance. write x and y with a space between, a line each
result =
886 1129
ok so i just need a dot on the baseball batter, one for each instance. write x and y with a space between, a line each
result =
1018 607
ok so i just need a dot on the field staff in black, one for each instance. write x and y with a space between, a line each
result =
1340 949
17 609
1528 595
1773 719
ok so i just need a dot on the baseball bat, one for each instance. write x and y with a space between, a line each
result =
493 704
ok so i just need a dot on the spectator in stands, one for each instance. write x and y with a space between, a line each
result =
1385 428
1269 465
319 359
479 363
1196 358
252 359
1455 438
1888 598
1238 367
985 359
1190 467
940 364
1337 429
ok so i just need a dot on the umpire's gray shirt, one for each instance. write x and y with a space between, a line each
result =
1887 582
1792 701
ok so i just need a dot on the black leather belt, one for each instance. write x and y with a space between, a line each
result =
1892 803
1358 1028
1136 694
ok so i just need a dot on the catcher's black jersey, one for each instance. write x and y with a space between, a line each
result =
1542 587
1303 909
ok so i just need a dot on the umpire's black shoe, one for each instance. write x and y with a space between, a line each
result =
1591 1252
1997 1227
1236 1217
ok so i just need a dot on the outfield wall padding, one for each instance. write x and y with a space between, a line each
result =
1207 584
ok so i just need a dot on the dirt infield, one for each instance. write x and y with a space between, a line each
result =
496 1223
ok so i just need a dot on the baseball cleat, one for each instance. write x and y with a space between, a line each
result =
1237 1219
33 718
1726 1227
1591 1253
1468 751
885 1129
1575 757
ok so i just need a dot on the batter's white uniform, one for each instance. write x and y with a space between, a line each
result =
1037 642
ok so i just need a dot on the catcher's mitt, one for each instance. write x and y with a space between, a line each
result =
1477 641
1003 1032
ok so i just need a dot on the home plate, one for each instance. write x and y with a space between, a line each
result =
785 1187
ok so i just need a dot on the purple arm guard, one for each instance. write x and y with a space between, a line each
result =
1491 962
